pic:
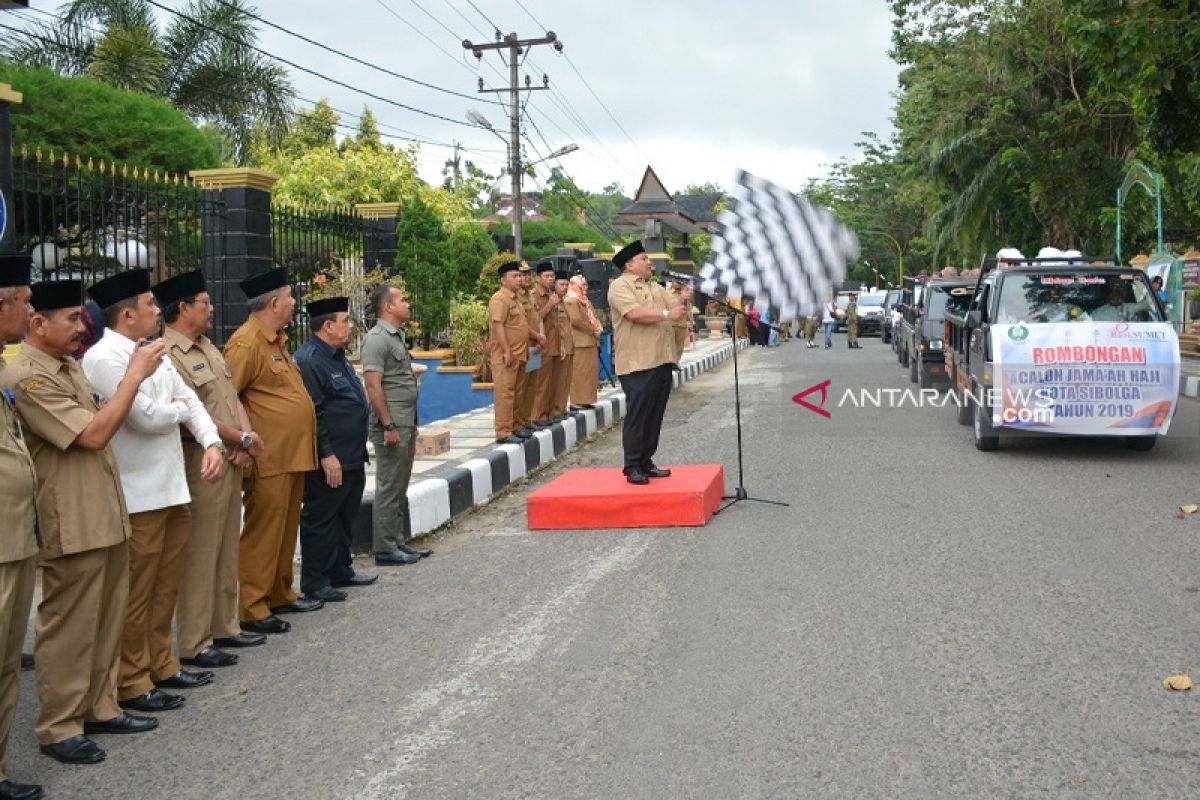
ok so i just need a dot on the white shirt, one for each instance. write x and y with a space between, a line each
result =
830 313
147 446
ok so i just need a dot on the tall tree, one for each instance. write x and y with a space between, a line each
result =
422 246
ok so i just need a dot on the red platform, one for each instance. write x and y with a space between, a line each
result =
602 498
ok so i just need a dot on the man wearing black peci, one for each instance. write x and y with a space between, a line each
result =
644 343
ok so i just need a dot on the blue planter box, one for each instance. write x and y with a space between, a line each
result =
444 394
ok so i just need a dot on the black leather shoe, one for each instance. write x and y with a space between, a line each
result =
637 477
211 657
511 440
419 552
522 436
395 559
301 605
560 418
527 431
542 424
20 791
26 665
76 750
122 723
327 594
657 472
241 640
271 624
358 579
186 680
153 700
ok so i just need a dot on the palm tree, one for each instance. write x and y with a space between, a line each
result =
202 61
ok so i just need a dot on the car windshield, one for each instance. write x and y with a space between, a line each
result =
954 299
870 300
1077 297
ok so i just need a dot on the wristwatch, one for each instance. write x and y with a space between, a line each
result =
218 446
246 440
391 426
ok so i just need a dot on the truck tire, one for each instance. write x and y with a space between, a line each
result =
986 438
963 413
924 379
912 368
1141 443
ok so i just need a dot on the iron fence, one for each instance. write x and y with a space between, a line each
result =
87 220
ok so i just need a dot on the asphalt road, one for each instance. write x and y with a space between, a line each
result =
924 620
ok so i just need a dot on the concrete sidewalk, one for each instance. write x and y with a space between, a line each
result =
476 469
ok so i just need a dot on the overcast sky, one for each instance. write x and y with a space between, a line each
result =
701 87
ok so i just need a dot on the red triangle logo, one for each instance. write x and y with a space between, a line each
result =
823 388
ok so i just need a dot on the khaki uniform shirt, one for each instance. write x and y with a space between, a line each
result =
272 390
204 370
383 351
639 346
525 298
506 310
80 504
582 332
541 299
563 320
18 484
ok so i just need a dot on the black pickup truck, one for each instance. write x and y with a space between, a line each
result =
1014 299
921 331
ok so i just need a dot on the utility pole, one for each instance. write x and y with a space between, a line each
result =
457 166
516 49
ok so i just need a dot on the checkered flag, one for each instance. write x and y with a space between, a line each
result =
777 249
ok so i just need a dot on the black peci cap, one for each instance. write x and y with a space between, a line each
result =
627 252
263 282
327 305
180 287
562 275
122 286
508 266
15 269
52 295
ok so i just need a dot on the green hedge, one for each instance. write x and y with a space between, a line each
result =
93 120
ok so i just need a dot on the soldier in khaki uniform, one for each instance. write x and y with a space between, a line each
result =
852 322
18 544
83 525
281 411
585 337
523 413
207 611
644 347
562 380
509 340
549 305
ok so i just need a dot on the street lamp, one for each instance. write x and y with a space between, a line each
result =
514 165
899 251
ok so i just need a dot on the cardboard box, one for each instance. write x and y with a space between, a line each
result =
432 442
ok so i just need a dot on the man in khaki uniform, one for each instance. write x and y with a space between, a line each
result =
207 611
281 411
549 305
509 350
18 544
523 409
566 342
83 525
644 348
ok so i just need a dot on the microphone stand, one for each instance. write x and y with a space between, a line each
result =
739 493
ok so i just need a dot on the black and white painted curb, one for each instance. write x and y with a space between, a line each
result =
434 501
1191 386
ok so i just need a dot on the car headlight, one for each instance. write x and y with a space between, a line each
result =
935 344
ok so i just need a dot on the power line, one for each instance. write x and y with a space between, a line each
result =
426 37
465 19
485 16
580 197
306 70
335 51
530 13
601 102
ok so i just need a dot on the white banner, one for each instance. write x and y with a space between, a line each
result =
1086 378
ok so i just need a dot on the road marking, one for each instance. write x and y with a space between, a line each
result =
496 660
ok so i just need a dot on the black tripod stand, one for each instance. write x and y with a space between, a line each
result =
739 493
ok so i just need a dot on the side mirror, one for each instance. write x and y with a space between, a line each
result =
974 318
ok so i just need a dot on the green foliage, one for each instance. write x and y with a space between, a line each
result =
541 239
201 61
468 328
421 258
312 129
89 119
488 282
468 249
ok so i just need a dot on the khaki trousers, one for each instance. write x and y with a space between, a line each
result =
157 545
506 387
548 379
268 543
16 596
585 376
562 385
208 594
523 408
78 644
389 509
